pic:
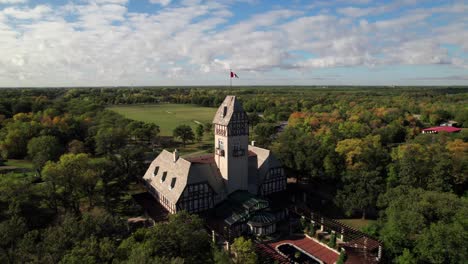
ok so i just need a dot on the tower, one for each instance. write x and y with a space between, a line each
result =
231 130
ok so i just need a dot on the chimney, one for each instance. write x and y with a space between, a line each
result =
252 143
176 155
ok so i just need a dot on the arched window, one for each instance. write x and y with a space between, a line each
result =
155 172
163 178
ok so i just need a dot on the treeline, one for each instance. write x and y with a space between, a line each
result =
380 163
365 142
73 207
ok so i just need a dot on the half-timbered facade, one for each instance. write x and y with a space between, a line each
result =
196 184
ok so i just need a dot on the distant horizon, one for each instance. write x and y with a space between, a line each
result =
69 43
241 86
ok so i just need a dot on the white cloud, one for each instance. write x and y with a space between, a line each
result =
13 1
161 2
104 43
26 13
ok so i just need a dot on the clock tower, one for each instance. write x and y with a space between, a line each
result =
231 131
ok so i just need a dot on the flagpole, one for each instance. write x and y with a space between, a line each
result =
230 78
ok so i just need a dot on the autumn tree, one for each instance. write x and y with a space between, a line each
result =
363 179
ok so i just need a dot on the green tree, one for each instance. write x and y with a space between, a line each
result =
264 133
220 256
199 132
69 180
183 236
76 146
110 139
429 224
443 242
254 119
42 149
244 251
406 258
184 132
363 178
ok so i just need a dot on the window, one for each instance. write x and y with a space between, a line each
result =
163 178
220 144
173 181
224 111
236 146
155 172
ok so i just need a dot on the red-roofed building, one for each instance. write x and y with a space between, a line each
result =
435 130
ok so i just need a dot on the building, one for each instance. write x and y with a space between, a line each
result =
451 123
435 130
233 176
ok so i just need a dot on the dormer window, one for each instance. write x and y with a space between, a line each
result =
224 111
163 178
155 172
173 181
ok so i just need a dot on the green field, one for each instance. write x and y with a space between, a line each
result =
167 116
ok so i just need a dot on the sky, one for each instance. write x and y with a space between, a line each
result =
45 43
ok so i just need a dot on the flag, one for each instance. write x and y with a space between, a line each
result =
233 74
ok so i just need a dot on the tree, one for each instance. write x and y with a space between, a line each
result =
110 139
264 133
143 131
14 144
69 180
244 251
363 178
208 127
75 146
429 224
406 258
437 166
443 243
184 132
183 237
42 149
220 256
254 119
199 132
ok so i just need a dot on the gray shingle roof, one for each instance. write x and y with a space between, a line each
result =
265 161
229 106
181 173
166 165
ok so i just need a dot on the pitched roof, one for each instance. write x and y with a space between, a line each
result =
172 177
229 106
448 129
164 164
265 161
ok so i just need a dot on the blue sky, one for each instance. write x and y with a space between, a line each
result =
196 42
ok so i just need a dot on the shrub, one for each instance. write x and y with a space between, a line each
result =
342 258
332 242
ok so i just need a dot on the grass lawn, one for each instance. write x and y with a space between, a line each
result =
167 116
25 164
357 223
